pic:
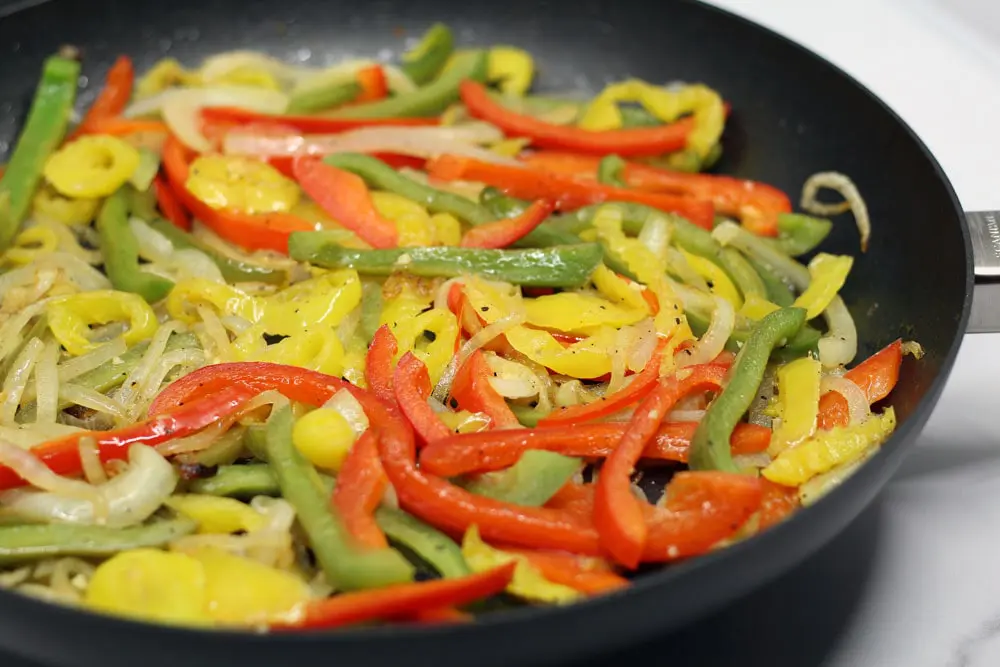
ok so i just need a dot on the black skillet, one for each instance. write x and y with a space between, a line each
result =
794 114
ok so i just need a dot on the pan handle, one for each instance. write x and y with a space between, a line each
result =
984 227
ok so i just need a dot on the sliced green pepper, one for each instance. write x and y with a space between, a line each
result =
562 266
322 96
799 234
30 542
430 100
371 309
426 60
777 291
686 160
742 272
383 177
44 129
609 171
528 416
149 165
345 567
636 116
710 444
532 481
431 545
239 481
120 250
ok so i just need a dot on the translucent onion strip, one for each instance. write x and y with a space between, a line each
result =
76 366
714 340
191 357
94 400
478 340
853 201
31 469
857 402
840 344
90 460
17 379
47 385
137 378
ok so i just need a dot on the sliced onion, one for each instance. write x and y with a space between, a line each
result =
263 258
153 245
26 436
47 385
513 380
215 334
91 399
478 340
914 348
90 461
155 349
655 235
76 366
181 108
17 379
758 460
197 442
398 80
790 271
678 265
714 341
441 295
619 361
857 403
190 358
78 272
840 344
30 468
643 344
852 201
350 409
685 415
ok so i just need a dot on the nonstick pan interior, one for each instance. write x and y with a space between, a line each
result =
793 115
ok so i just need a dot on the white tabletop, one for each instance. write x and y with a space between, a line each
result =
932 594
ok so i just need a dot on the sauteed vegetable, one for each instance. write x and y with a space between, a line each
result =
291 348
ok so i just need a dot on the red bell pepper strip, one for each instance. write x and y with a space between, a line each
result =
876 375
399 600
344 196
123 126
111 101
567 192
631 142
501 233
310 124
440 615
642 383
412 386
473 391
778 502
378 364
359 490
574 498
756 204
257 232
169 206
586 574
374 85
62 456
617 512
488 451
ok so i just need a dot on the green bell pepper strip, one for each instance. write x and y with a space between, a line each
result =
799 234
120 250
31 542
562 266
233 270
345 566
322 96
42 133
371 309
544 235
710 448
609 171
430 100
777 291
381 176
223 451
742 273
149 165
239 481
637 116
803 342
426 60
531 482
687 160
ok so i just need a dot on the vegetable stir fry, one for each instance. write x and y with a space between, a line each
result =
287 348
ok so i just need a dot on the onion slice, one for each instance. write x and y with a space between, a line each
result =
857 402
853 202
714 340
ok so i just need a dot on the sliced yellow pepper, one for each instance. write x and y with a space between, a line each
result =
400 310
446 229
324 437
70 318
413 223
798 396
242 184
29 245
829 449
150 585
667 105
437 353
578 312
827 274
354 361
323 301
755 307
317 348
588 358
718 282
187 295
95 165
464 421
510 147
48 204
166 73
245 75
215 514
513 68
527 582
492 300
619 290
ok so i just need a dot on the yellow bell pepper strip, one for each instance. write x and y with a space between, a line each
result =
512 69
324 437
323 301
710 445
34 541
587 359
827 274
718 282
829 449
149 166
622 291
29 245
798 398
527 582
44 129
120 250
413 224
70 318
95 165
579 312
224 299
50 205
345 566
447 229
214 514
756 307
708 110
317 348
824 483
241 184
166 73
425 61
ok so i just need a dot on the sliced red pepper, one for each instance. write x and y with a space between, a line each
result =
631 142
459 305
374 85
169 206
574 498
344 197
115 94
399 600
642 383
268 231
586 574
617 512
756 204
123 126
359 490
567 192
412 386
285 163
502 233
779 501
876 375
473 391
440 615
62 456
310 124
379 364
487 451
